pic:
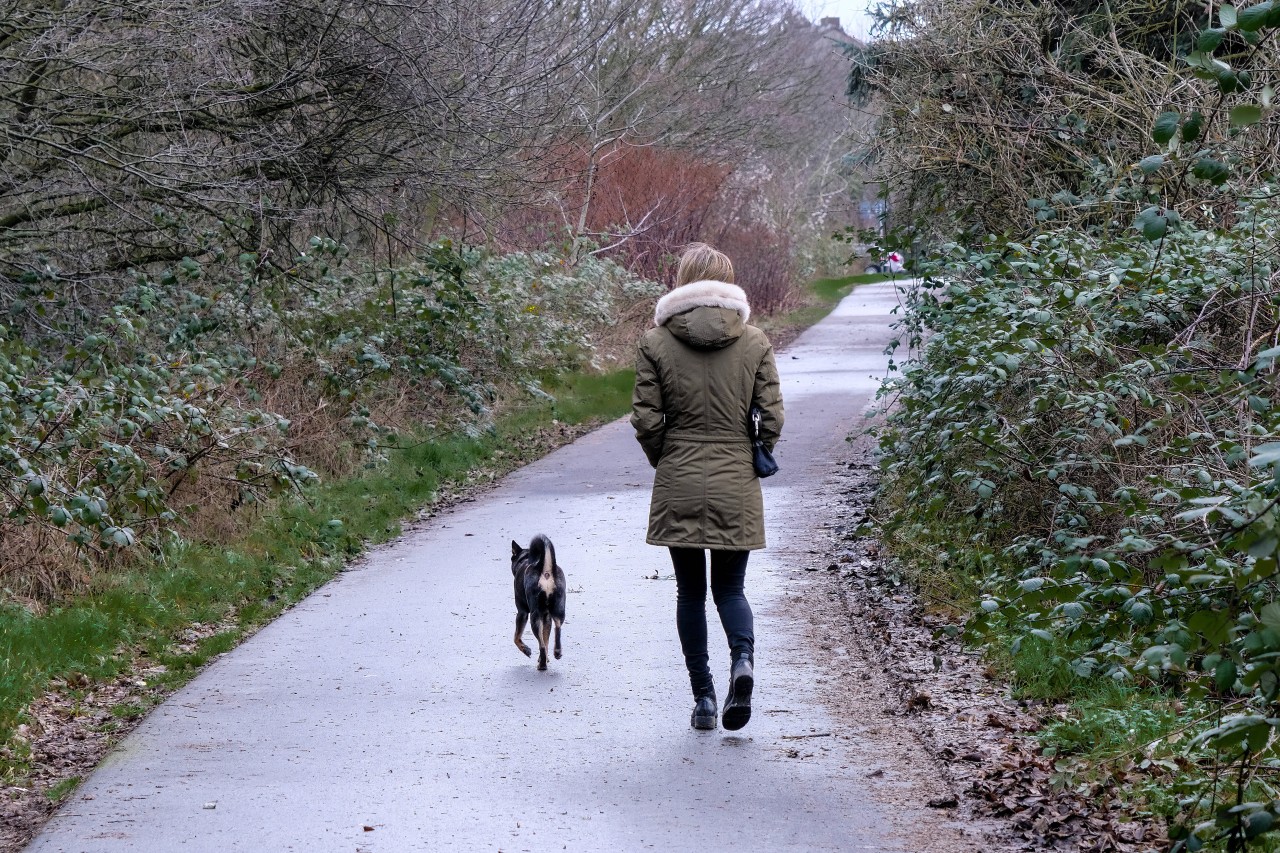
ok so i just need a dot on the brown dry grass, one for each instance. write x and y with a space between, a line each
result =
320 436
36 563
615 345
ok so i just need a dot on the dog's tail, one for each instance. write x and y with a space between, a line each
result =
543 553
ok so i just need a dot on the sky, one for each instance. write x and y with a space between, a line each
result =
852 14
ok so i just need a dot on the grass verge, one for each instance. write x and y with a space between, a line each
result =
229 590
848 281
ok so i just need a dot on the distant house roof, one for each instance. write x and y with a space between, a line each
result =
830 28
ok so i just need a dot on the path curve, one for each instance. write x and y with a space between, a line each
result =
391 712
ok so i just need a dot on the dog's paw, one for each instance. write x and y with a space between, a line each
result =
557 654
542 666
528 652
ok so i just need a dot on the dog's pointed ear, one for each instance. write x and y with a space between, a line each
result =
515 548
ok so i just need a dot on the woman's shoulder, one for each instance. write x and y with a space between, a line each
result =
756 337
652 336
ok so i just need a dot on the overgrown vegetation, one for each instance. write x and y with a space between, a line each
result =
1008 117
1083 449
1076 438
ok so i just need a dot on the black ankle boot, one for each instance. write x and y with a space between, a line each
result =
704 712
737 705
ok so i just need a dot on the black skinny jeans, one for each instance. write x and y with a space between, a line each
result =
728 574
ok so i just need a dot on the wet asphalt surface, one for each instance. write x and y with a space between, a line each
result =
391 711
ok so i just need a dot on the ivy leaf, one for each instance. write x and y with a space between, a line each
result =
1270 616
1227 15
1224 675
1213 625
1265 454
1140 612
1257 823
1240 729
1073 610
1154 223
1165 127
120 536
1264 547
1266 358
1245 115
1254 18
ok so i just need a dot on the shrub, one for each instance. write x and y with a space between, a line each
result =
1091 429
665 199
100 451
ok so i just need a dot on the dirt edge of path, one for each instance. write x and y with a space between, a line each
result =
977 738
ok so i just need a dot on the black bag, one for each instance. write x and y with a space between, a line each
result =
761 459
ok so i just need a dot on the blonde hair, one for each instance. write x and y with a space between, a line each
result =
700 262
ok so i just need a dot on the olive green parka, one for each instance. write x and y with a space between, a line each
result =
697 374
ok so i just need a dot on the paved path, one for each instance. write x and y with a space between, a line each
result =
393 698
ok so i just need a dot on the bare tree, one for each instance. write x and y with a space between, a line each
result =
713 76
136 133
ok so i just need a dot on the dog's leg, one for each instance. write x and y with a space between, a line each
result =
521 619
547 634
540 624
557 639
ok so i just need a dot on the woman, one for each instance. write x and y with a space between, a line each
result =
697 375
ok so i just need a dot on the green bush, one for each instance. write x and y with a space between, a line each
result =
1099 422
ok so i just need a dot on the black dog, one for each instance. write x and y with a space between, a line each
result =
540 594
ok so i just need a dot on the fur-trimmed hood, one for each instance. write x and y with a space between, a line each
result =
705 314
702 294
